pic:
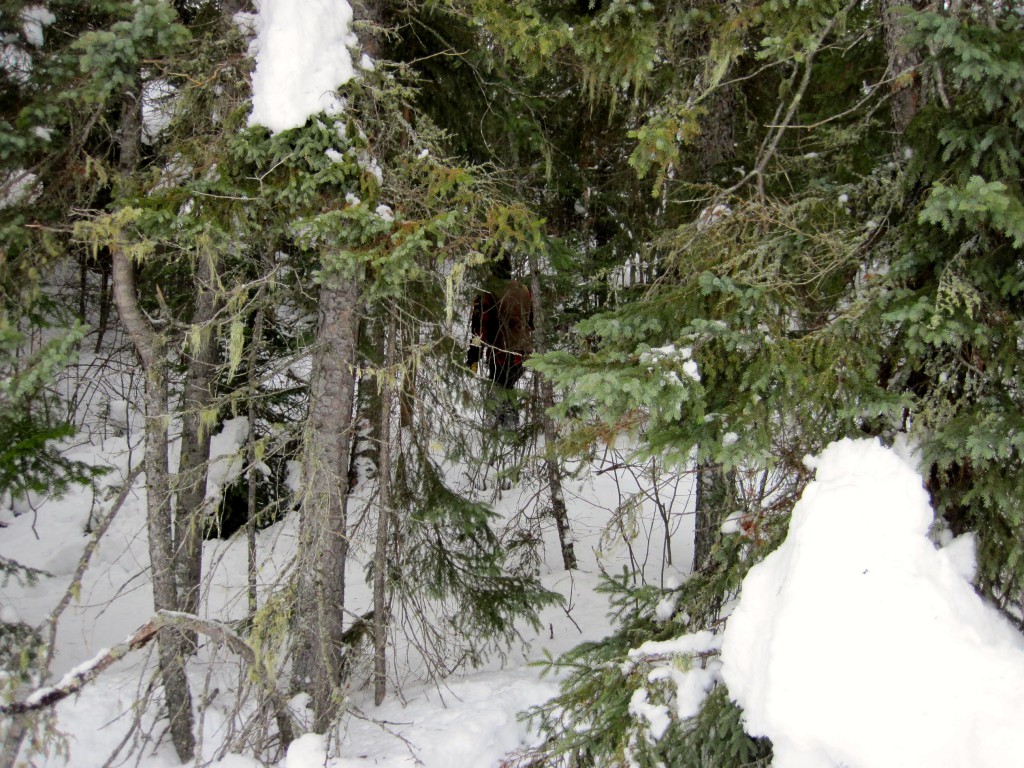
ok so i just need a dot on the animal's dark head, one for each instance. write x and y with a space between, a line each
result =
502 265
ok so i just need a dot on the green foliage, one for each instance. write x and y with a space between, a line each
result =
29 460
976 206
451 555
112 57
598 717
840 293
799 274
20 644
955 285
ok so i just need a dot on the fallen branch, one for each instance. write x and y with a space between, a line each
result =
75 680
79 677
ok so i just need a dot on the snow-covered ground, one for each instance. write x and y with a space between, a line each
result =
858 643
467 720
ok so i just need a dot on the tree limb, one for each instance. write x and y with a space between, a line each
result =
74 681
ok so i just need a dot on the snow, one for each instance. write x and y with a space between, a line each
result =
658 357
699 642
676 661
21 188
307 751
712 215
469 719
858 643
157 108
34 18
302 56
226 449
656 715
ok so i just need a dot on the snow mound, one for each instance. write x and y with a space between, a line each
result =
302 56
858 643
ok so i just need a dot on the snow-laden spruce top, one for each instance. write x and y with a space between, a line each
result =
302 56
858 643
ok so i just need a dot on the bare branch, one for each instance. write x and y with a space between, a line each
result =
78 678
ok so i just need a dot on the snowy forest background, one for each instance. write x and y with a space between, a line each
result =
255 508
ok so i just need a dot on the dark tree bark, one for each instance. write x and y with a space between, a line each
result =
717 136
715 499
384 495
193 465
903 65
250 524
104 318
552 470
323 547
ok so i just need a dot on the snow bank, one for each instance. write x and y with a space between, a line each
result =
858 643
471 721
302 56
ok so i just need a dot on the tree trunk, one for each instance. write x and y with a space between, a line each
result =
323 546
717 135
380 555
552 470
193 465
903 64
152 352
104 318
714 502
250 524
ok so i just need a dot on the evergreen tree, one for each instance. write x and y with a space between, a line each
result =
840 283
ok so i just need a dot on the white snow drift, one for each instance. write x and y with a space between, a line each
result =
858 643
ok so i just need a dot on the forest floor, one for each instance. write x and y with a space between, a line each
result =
470 719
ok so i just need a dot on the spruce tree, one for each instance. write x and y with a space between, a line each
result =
838 280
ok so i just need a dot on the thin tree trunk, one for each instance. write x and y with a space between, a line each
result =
14 735
104 318
552 469
323 546
193 465
714 502
380 556
152 351
83 287
250 525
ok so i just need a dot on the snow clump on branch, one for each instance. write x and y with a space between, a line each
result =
302 56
